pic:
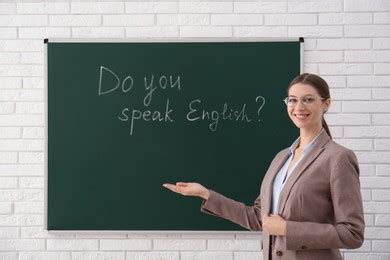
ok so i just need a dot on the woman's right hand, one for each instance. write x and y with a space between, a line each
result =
189 189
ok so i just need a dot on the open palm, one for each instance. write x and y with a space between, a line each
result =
188 189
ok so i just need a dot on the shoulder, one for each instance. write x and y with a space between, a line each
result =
339 151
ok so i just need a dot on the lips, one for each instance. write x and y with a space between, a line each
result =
301 116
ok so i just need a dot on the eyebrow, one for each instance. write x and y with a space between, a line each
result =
303 95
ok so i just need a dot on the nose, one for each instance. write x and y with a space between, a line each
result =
300 105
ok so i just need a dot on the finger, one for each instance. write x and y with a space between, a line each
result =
182 184
172 188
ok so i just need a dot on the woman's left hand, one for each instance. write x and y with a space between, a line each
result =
274 225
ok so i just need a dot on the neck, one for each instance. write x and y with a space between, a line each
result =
307 135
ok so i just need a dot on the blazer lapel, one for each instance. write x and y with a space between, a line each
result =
270 179
298 171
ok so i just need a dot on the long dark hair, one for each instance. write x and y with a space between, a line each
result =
319 84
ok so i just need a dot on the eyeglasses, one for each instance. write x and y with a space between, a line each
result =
307 100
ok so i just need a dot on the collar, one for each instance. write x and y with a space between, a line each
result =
307 147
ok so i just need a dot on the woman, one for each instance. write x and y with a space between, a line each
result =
310 203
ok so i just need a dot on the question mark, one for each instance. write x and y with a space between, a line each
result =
262 104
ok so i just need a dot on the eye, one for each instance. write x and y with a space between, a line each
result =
292 100
308 100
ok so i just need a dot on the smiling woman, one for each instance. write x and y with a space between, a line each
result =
310 203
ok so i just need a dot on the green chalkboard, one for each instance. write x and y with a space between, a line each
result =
125 117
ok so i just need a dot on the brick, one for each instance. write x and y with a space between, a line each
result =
347 119
98 32
44 8
366 6
152 7
260 31
335 81
72 244
369 219
343 44
21 120
44 32
367 169
30 108
98 256
248 255
376 207
315 6
323 56
5 208
382 68
29 207
290 19
343 94
356 144
337 132
21 70
31 157
236 19
20 170
8 182
9 232
33 132
33 58
107 236
380 119
23 20
367 30
366 106
7 107
382 220
374 182
128 20
97 7
21 95
125 244
367 56
382 169
381 43
365 81
75 20
381 245
206 255
21 195
233 245
22 244
310 68
315 31
21 220
205 31
183 19
382 144
44 255
205 7
152 31
345 68
381 194
33 82
310 44
365 256
7 8
14 82
8 157
40 232
207 236
260 7
9 132
345 18
9 58
21 45
382 18
179 244
366 194
8 33
373 157
152 256
31 182
377 233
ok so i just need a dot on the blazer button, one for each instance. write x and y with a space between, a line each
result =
304 247
279 253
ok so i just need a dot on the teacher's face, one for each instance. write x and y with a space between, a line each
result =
306 107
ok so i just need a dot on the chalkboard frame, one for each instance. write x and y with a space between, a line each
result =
137 40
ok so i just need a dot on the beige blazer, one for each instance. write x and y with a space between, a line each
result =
320 201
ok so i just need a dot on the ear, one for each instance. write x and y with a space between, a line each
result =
326 104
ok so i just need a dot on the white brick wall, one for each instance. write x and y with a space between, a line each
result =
346 41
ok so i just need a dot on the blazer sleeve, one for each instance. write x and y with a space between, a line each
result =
246 216
348 228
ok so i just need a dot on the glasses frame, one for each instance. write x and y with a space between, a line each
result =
285 100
